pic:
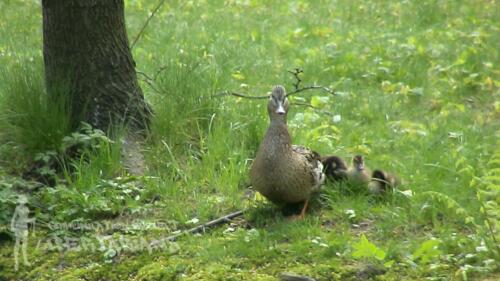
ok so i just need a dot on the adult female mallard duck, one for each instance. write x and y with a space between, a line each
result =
282 172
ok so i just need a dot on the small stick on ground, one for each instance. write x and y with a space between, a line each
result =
201 228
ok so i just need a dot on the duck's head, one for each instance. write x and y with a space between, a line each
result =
278 103
358 162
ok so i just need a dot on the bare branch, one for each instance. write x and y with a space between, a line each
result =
311 106
149 81
228 93
146 24
145 75
296 72
160 69
297 89
323 88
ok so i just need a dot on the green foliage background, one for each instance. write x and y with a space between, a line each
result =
417 92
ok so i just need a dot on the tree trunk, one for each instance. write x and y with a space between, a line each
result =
87 57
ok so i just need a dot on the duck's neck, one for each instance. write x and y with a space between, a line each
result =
277 139
278 121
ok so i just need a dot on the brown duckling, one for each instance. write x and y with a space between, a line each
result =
382 182
335 168
357 173
282 172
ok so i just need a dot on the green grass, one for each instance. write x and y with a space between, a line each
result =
30 120
417 91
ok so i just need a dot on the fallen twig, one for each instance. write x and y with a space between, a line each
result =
200 228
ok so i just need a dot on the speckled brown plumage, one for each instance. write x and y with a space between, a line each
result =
282 172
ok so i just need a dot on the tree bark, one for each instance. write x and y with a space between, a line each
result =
87 58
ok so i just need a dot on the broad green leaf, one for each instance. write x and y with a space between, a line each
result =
366 249
427 251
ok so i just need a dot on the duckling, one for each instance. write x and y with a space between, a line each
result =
335 168
382 182
282 172
357 174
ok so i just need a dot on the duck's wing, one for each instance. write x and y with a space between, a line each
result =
311 156
313 160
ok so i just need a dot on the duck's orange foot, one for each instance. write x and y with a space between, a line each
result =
302 214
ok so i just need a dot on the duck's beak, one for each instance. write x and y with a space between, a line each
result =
280 110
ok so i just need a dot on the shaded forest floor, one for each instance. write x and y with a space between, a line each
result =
416 91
